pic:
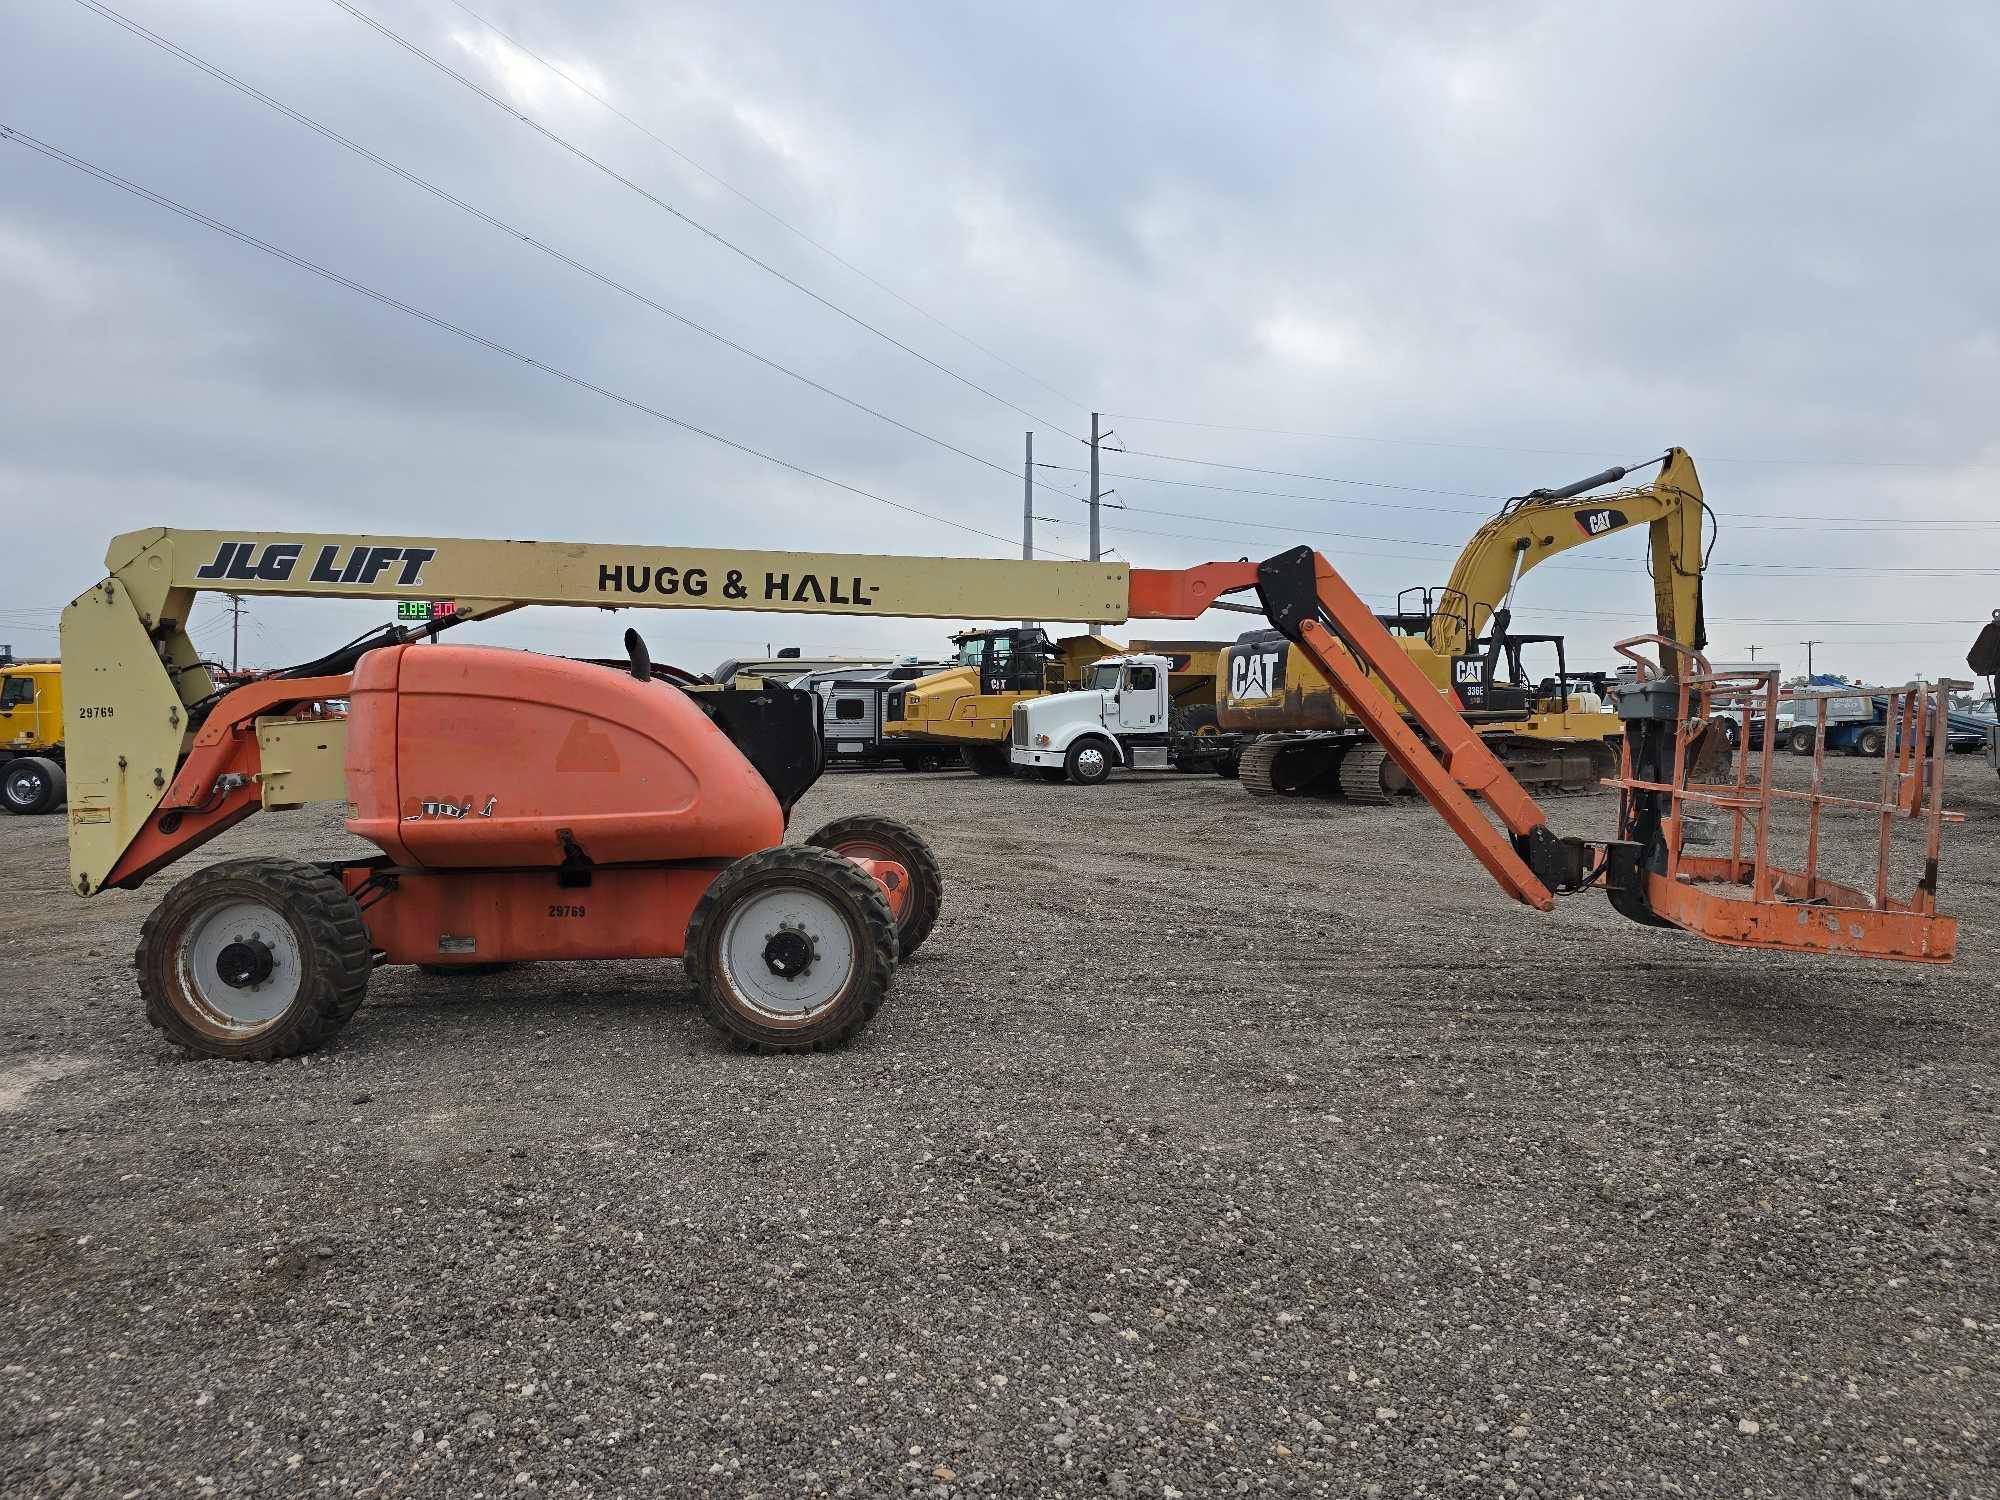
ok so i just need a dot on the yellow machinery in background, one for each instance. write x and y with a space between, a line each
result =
1553 732
968 708
32 774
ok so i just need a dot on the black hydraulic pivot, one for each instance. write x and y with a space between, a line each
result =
1288 588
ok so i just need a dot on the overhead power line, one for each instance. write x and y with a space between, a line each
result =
790 228
1440 510
1776 570
513 232
1353 437
55 153
1195 484
1212 463
658 202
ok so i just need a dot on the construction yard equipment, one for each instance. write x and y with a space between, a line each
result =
1553 731
968 708
529 807
851 713
32 775
1125 715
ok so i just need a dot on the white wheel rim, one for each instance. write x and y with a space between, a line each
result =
205 949
1090 761
775 920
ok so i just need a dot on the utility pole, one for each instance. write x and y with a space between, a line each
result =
1095 549
1753 650
235 632
1809 665
1028 508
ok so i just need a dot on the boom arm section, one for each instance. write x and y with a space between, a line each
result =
138 686
1537 526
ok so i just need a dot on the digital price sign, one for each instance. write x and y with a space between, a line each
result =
426 609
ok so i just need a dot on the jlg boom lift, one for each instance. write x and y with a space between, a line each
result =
528 807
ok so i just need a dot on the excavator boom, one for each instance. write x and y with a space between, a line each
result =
1536 527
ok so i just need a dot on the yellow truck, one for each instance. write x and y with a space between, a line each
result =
32 774
969 707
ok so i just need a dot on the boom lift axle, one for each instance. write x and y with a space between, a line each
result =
529 807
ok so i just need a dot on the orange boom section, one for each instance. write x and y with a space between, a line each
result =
475 756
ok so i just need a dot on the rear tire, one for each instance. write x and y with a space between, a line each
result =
792 950
1801 741
885 838
31 785
253 958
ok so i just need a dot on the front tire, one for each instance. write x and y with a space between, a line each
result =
253 958
1088 762
1870 743
31 785
885 838
1801 741
792 950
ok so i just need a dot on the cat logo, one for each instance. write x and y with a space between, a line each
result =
1468 680
1600 522
1256 671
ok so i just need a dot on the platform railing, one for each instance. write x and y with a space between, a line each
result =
1747 896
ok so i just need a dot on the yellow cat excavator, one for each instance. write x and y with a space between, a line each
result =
1555 733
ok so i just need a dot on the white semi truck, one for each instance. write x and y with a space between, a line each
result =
1125 716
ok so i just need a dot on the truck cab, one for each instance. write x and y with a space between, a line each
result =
1121 717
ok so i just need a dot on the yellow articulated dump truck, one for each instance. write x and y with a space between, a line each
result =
32 771
968 708
1551 728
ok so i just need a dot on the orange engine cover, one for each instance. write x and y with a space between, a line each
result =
464 756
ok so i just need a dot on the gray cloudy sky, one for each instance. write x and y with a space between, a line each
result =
1491 246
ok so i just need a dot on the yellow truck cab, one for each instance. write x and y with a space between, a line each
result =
32 778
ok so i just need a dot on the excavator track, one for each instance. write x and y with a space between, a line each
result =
1253 768
1368 775
1361 771
1551 767
1304 765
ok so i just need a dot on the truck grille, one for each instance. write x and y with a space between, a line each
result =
1020 726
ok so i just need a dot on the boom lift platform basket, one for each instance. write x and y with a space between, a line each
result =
1746 897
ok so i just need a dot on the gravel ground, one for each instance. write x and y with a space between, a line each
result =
1209 1147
